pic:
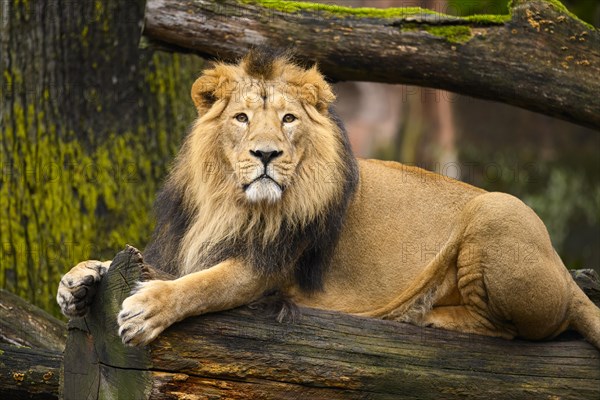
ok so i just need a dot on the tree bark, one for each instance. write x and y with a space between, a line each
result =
541 58
88 124
29 373
23 324
589 282
31 346
243 354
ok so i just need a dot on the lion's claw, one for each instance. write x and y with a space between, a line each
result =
77 288
146 313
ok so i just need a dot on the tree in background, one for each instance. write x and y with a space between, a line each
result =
89 124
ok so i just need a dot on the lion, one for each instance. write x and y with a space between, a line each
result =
266 196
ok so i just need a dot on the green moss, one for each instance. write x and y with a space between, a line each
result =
453 34
359 12
57 194
64 201
7 79
487 19
558 6
84 36
367 12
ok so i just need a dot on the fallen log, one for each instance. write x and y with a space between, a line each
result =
589 281
31 345
29 373
243 354
541 57
24 325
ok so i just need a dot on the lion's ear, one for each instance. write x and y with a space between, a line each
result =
316 91
203 93
213 85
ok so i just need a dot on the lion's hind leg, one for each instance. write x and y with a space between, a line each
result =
584 316
508 278
465 305
508 272
464 319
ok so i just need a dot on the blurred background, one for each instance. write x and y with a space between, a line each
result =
90 123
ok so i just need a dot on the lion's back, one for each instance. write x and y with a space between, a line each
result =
400 216
396 190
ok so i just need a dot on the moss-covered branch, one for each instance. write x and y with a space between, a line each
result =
541 57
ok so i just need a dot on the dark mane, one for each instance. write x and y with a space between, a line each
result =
260 61
172 221
324 235
304 252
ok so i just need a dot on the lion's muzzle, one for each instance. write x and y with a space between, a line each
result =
263 188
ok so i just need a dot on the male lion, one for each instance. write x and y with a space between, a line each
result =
266 196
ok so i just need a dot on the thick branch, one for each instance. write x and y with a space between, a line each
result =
242 354
30 372
23 324
542 58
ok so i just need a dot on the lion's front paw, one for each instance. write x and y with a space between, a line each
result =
147 312
77 288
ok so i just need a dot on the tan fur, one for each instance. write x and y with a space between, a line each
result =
415 246
221 212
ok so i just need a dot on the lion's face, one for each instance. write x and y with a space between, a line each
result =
264 129
265 166
271 125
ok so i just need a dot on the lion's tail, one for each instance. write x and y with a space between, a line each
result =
584 316
412 304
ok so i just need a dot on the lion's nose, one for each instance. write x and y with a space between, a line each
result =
266 156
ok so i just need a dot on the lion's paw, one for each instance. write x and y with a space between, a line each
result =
146 313
77 288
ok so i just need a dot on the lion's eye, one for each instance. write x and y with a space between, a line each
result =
289 118
241 117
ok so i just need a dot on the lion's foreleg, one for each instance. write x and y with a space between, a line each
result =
155 305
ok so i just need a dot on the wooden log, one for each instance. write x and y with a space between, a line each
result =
29 373
243 354
31 345
589 281
23 324
541 57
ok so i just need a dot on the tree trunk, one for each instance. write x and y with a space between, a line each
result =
89 123
242 354
541 57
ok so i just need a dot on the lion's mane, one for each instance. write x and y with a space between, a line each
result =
200 219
